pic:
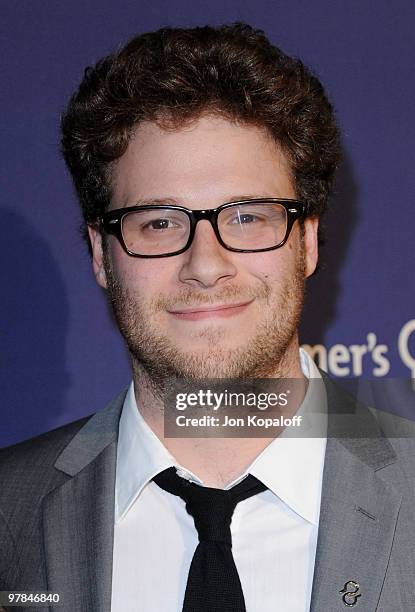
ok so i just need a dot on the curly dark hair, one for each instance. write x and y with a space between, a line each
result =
172 77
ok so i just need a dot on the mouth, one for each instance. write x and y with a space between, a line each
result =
207 312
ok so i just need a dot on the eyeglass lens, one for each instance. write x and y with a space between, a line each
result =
247 226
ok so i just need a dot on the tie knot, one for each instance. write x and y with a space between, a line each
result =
212 509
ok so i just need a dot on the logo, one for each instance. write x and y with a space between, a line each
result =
350 593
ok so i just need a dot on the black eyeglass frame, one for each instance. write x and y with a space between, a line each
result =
111 222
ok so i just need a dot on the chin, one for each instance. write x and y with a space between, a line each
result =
213 349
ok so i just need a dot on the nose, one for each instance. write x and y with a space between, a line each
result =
207 262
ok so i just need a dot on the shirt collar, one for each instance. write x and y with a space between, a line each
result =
140 456
291 467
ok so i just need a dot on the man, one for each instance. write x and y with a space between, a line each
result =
203 161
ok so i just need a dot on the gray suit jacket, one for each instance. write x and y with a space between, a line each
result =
57 513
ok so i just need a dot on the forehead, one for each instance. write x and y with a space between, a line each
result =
211 159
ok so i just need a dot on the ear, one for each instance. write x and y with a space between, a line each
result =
310 244
97 256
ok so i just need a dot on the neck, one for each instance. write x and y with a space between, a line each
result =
217 461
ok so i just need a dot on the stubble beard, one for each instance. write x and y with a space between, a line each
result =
157 361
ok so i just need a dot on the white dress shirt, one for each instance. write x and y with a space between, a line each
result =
274 533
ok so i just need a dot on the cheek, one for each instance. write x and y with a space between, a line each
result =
147 276
270 266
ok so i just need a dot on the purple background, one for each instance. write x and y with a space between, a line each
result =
61 356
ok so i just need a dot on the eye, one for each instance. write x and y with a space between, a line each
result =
244 219
160 224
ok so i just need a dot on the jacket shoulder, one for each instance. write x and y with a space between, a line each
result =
32 461
45 446
27 469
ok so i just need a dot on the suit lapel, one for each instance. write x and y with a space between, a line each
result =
78 516
359 509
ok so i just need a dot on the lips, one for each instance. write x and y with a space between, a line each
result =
201 312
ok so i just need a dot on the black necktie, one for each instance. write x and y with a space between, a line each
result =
213 583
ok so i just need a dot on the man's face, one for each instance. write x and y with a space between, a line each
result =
206 164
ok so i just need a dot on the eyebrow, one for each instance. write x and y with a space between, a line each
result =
176 202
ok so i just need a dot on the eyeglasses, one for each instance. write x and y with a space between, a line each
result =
247 226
